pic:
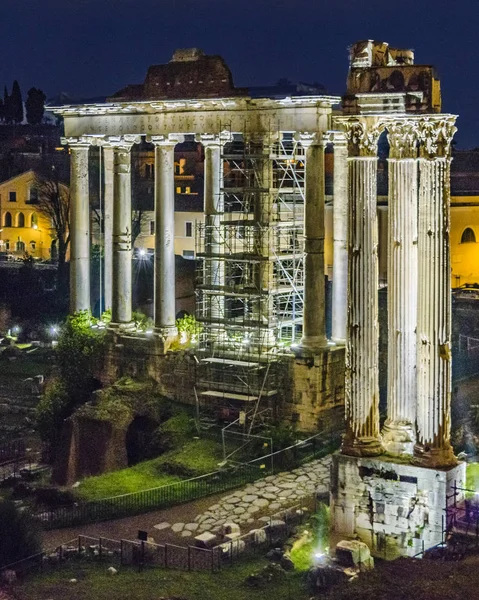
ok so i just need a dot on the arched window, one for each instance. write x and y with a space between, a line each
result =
34 221
21 220
8 219
468 236
20 246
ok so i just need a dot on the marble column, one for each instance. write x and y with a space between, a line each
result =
214 236
122 246
108 223
399 428
165 298
340 240
314 325
79 227
362 353
433 447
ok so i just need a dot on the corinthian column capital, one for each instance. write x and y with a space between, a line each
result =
436 135
403 138
362 138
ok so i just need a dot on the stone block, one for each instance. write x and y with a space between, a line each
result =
205 540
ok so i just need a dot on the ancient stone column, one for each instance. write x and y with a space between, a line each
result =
262 182
314 326
214 236
79 227
165 298
340 240
399 429
122 244
362 387
433 448
108 223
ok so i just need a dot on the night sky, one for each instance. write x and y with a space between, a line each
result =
94 47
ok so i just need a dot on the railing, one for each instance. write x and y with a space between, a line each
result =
144 554
11 450
183 491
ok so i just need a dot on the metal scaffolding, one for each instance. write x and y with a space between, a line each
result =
250 272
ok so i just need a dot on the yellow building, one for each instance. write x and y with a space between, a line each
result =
24 230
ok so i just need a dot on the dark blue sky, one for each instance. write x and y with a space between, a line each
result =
95 47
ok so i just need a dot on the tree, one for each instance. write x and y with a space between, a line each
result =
16 103
54 202
35 106
7 113
20 534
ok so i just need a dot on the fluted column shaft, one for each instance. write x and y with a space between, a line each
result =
433 446
122 247
340 243
399 429
108 223
79 229
362 386
314 325
165 296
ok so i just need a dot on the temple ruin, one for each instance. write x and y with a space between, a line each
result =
261 290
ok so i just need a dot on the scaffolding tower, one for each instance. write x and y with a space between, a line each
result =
250 274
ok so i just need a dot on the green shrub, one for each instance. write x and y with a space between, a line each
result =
20 534
53 408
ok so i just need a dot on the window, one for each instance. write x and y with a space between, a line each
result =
21 220
468 236
34 221
33 199
178 190
189 229
12 196
152 228
33 246
189 254
7 245
20 246
8 220
187 190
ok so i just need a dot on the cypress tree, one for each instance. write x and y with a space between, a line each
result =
35 106
7 115
16 103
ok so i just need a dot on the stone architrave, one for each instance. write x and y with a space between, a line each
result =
314 325
108 223
79 225
214 235
121 311
340 240
399 428
362 352
165 297
433 447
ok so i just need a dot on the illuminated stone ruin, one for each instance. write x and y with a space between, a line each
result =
390 487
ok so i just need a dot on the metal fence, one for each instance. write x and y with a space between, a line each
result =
183 491
12 450
147 554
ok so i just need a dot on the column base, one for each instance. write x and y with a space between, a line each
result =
122 328
364 446
398 437
312 345
427 456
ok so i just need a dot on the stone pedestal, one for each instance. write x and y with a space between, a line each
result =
396 508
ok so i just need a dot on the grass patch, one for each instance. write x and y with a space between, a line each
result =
472 476
95 583
28 364
314 538
195 457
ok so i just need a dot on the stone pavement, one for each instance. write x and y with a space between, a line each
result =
266 496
